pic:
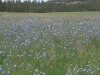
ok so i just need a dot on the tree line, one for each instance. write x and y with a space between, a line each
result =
49 6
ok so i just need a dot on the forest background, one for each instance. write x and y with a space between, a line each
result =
41 6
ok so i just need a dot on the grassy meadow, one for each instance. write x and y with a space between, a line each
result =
64 43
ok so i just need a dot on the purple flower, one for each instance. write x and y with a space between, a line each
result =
9 69
0 68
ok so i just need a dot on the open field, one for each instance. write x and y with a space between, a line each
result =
50 43
52 14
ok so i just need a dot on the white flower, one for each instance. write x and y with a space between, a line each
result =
0 52
14 65
36 70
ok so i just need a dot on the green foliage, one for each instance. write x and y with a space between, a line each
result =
2 57
96 42
49 6
49 45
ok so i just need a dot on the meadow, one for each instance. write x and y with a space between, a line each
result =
50 43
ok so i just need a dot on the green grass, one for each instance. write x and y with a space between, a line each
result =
52 14
50 45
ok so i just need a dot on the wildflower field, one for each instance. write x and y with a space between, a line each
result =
50 45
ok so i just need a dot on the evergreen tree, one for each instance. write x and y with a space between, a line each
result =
49 6
1 5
